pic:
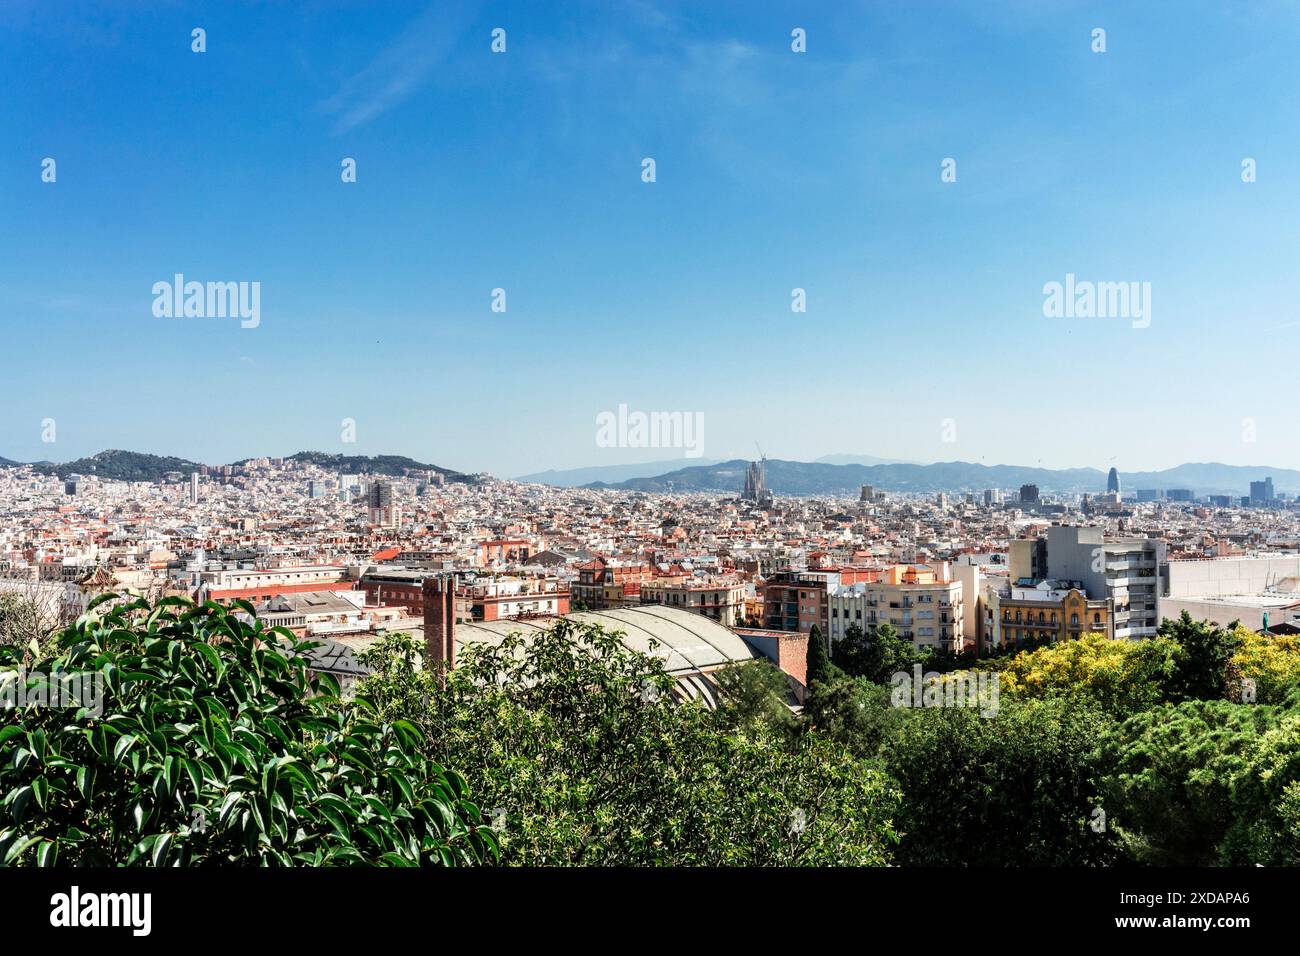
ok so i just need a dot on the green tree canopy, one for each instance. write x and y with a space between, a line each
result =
210 742
1175 772
818 666
876 656
1017 789
1202 672
576 748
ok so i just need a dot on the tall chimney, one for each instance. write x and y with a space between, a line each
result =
440 621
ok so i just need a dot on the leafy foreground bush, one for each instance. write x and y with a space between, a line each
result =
1208 782
1019 789
215 745
572 742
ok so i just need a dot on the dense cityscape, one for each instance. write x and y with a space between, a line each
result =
344 556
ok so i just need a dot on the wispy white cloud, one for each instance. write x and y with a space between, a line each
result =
401 68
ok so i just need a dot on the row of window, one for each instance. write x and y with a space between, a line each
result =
1043 619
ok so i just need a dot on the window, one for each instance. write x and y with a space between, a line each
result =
1074 620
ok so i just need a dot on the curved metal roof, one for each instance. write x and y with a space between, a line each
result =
688 642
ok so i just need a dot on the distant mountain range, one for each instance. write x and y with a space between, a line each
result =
118 465
859 460
830 475
576 477
814 478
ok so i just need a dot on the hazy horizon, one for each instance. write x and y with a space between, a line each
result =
668 464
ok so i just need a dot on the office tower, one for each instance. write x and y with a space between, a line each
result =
1029 493
383 512
194 488
73 485
1148 494
1112 482
867 493
1179 494
316 488
1261 492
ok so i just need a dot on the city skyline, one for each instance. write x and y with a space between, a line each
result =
831 475
926 334
648 435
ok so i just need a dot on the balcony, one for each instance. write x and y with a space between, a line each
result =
1131 564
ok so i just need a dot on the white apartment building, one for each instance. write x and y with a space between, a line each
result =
925 606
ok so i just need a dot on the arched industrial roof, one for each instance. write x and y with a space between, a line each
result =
687 642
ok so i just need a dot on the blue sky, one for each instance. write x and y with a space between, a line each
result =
775 170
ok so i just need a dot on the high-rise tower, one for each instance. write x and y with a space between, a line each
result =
383 512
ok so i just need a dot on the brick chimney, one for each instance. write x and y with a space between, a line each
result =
440 620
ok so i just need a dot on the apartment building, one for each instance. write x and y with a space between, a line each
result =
721 600
382 508
501 599
604 583
254 585
1021 612
504 551
476 598
796 600
391 586
924 604
1125 570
